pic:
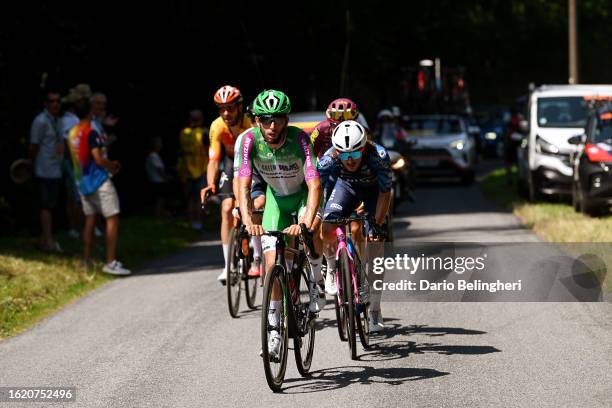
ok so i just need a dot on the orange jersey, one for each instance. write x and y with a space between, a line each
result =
222 139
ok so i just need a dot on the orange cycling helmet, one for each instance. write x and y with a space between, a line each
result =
228 95
342 109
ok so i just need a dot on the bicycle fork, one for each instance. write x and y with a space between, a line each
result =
343 245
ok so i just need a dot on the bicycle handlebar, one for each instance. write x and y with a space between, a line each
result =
377 230
306 237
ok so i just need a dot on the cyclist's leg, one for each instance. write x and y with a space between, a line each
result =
316 301
341 203
227 204
258 195
375 250
273 220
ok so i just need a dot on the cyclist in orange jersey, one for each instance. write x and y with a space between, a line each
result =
224 131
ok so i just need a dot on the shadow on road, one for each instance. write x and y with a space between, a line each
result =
382 348
341 377
394 350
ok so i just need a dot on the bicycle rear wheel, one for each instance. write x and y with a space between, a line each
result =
304 336
234 271
275 367
349 307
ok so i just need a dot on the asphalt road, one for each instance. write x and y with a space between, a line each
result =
164 338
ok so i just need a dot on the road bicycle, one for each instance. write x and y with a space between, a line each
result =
240 258
352 303
240 254
295 320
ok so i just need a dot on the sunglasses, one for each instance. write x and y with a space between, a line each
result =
342 115
53 100
350 155
267 120
229 108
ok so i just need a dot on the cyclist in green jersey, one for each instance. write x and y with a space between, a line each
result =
283 156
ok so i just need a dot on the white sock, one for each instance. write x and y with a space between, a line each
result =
225 253
331 263
256 242
274 313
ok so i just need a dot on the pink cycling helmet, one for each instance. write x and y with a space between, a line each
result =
342 109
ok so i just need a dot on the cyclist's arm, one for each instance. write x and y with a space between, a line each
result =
382 206
214 157
313 201
311 176
245 175
384 178
327 166
236 169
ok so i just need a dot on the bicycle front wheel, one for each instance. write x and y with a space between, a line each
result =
304 336
338 306
362 318
348 302
275 361
250 284
234 275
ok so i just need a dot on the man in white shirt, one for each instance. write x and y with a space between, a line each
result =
46 152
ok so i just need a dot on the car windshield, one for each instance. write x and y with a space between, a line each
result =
562 112
432 126
603 132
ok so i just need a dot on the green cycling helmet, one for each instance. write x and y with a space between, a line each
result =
271 102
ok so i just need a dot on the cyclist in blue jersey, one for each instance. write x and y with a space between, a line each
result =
360 171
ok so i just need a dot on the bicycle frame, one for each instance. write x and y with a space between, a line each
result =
345 243
280 260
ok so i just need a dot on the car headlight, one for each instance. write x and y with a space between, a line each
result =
491 136
542 146
398 164
458 144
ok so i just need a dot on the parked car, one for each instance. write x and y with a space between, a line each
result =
555 113
592 163
440 145
492 125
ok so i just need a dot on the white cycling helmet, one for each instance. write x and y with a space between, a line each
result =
349 136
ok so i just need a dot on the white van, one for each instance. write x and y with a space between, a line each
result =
554 114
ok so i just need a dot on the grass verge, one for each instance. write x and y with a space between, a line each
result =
554 222
34 284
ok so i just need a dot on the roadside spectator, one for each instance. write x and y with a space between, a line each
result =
389 131
156 175
76 95
46 150
98 195
192 163
102 122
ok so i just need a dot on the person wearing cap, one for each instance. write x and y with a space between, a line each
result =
46 150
